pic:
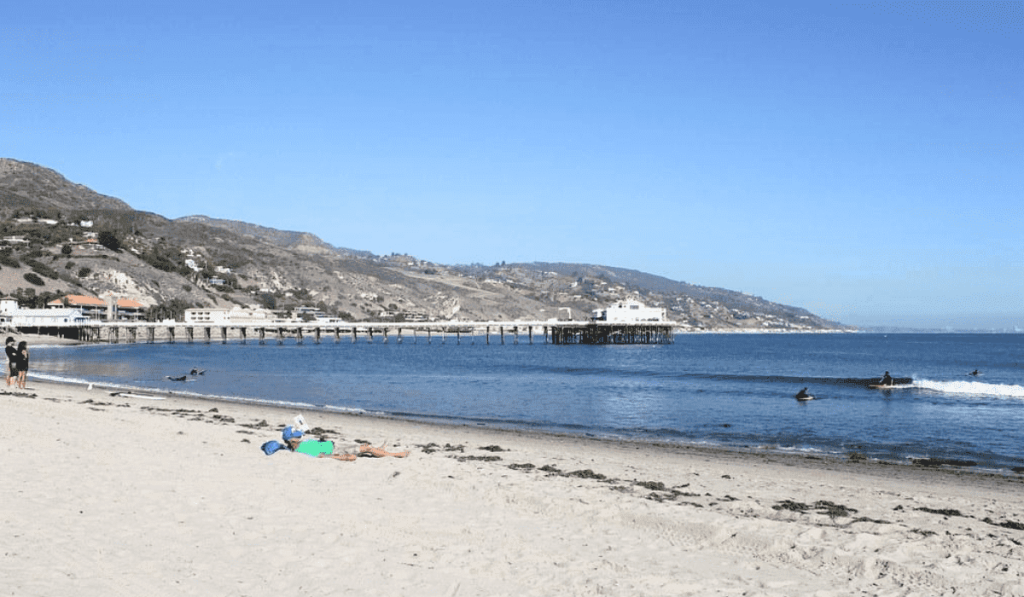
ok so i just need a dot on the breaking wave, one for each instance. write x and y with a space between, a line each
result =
971 388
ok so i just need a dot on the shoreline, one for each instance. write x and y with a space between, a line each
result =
852 458
837 462
472 510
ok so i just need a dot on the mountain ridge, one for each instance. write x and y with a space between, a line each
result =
201 261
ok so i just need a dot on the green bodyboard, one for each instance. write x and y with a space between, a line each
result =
315 448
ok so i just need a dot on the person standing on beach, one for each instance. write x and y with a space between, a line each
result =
22 364
12 361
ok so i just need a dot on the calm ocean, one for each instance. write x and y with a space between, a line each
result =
726 389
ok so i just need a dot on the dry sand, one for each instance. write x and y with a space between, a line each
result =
112 495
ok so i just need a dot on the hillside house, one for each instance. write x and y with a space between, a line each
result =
92 307
303 313
127 309
97 309
223 316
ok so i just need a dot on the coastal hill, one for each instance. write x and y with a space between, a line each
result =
64 238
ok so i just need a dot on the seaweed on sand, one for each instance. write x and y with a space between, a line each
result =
833 510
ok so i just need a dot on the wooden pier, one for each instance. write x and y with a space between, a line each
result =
549 332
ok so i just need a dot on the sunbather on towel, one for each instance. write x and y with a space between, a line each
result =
348 452
326 449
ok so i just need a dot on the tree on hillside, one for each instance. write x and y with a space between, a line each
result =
109 240
173 309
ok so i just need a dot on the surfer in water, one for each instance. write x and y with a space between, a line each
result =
886 380
974 373
803 395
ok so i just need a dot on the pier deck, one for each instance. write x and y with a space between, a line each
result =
554 332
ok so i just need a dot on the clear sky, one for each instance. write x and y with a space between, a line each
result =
862 160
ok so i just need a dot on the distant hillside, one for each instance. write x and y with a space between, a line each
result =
27 186
636 280
169 265
302 241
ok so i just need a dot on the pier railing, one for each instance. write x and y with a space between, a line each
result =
554 332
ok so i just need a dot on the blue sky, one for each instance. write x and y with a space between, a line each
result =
862 160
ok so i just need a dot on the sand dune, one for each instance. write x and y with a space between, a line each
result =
110 495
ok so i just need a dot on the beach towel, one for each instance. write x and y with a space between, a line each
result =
315 448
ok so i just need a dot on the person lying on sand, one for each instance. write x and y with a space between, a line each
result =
349 454
326 449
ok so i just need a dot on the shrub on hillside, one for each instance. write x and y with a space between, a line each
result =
41 269
7 258
31 278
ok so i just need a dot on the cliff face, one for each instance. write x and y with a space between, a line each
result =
198 261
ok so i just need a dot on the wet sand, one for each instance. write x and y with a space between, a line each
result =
122 495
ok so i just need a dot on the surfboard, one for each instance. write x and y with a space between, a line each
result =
877 386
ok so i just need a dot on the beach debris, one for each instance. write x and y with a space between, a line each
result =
866 519
483 458
652 485
522 467
586 474
493 449
259 425
941 462
432 447
832 509
942 511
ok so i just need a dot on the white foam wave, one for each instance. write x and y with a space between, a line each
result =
971 388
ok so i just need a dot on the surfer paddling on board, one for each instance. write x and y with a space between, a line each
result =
886 380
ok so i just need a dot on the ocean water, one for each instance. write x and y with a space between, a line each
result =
721 389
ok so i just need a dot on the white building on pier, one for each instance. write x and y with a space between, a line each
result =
13 316
629 311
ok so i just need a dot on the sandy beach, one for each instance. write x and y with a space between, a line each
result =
121 495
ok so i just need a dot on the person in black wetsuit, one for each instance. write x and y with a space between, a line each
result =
22 364
803 395
886 380
12 361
